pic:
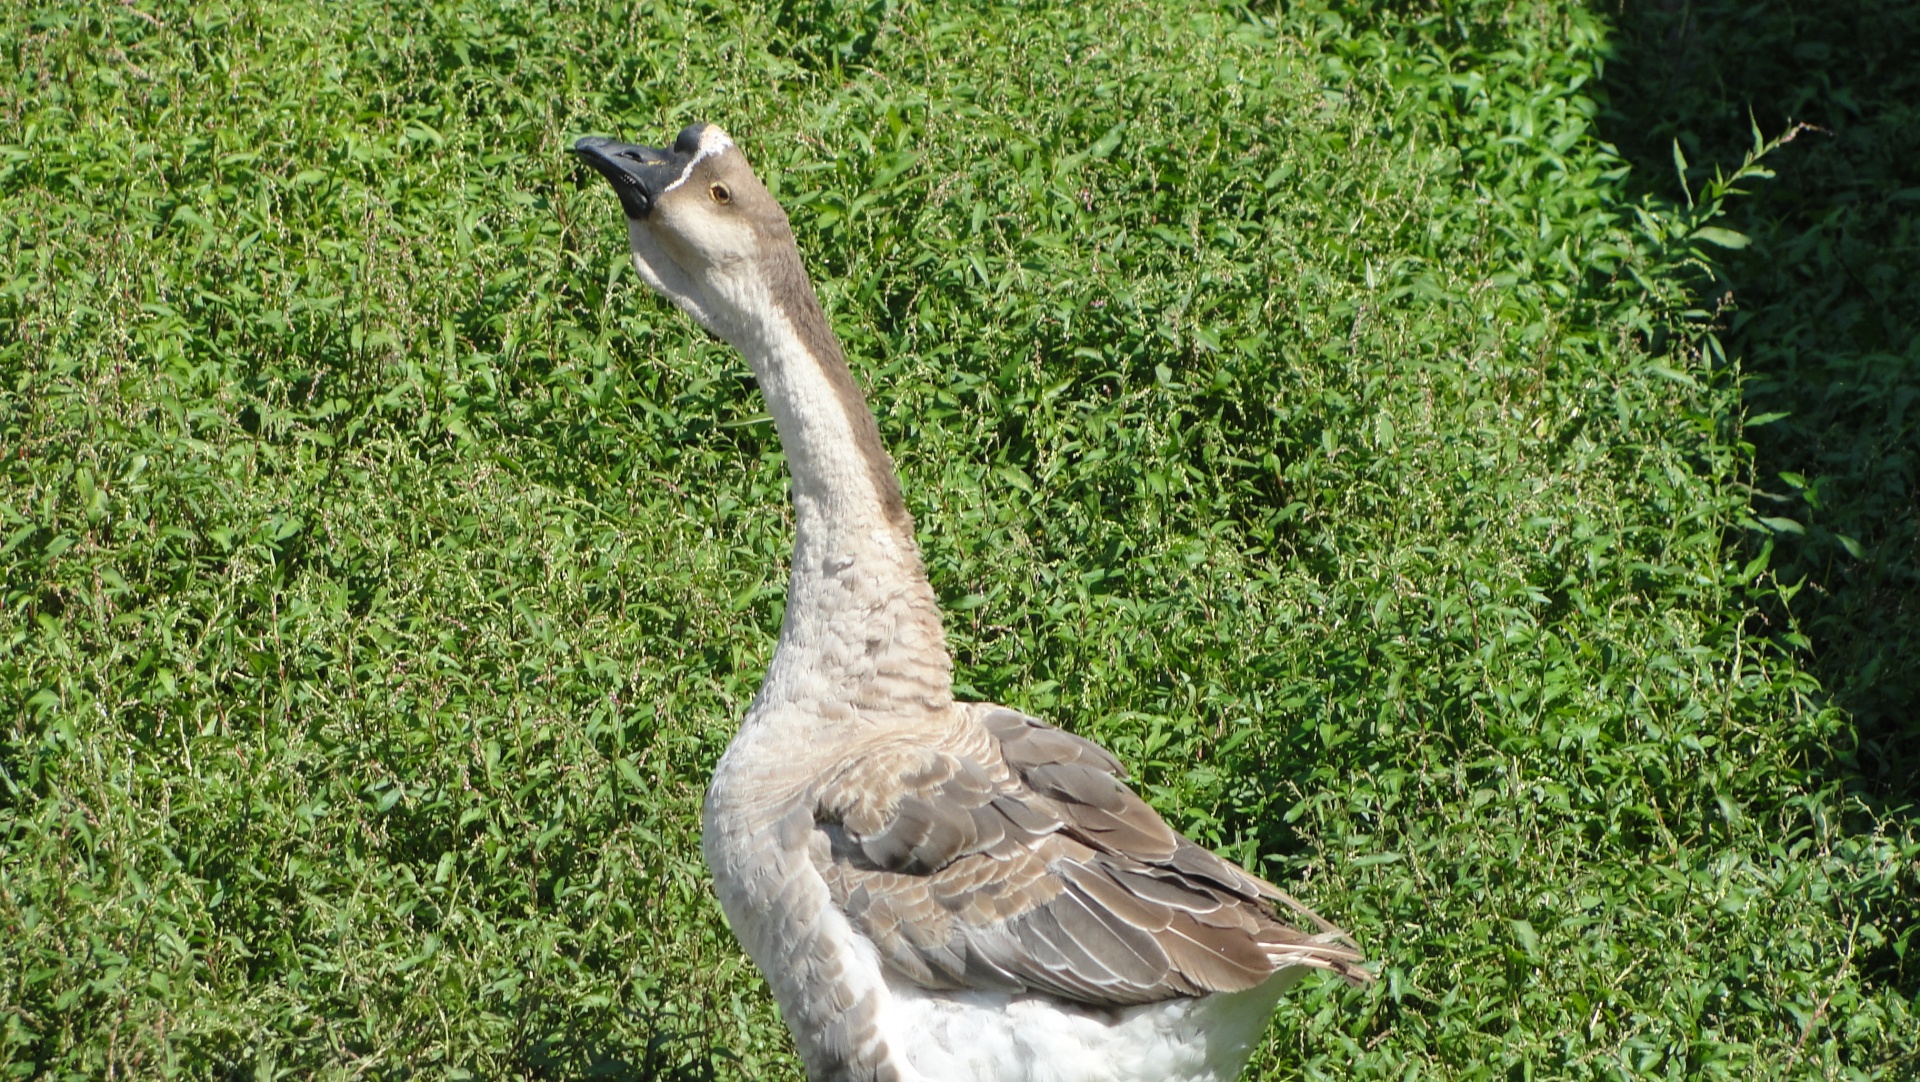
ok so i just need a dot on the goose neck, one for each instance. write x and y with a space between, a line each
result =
862 626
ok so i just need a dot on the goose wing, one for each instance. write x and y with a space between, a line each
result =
1014 858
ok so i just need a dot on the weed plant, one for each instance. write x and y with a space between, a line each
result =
1826 316
1304 401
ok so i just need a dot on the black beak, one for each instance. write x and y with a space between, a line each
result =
640 174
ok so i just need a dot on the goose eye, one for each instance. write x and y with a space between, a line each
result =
720 193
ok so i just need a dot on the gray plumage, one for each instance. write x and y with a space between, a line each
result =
932 888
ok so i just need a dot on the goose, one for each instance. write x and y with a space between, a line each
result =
934 889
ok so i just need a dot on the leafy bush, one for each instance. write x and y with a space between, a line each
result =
1305 402
1825 317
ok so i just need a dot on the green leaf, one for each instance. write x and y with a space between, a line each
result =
1665 371
630 774
1725 238
1528 938
1680 170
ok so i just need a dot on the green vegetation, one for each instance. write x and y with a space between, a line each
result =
1307 401
1828 318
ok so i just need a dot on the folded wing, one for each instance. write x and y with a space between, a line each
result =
1016 859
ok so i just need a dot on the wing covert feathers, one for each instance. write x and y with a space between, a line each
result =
1013 857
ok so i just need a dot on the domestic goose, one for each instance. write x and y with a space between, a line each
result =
935 890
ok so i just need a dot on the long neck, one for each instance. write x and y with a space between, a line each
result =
862 626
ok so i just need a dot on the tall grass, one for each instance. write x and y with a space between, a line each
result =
1303 401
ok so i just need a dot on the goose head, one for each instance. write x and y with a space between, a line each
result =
705 232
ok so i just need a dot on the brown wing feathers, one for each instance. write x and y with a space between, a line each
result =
1026 863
